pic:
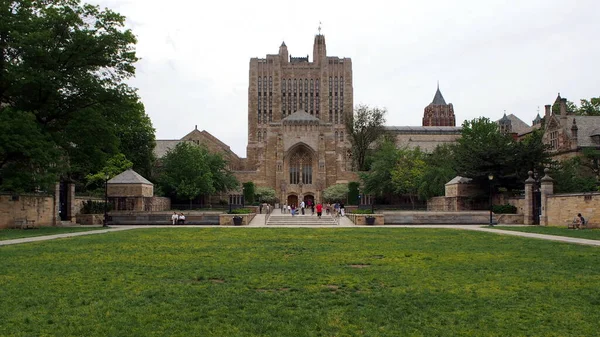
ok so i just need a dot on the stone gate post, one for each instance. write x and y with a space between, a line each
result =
546 189
528 206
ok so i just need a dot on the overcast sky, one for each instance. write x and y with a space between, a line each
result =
489 56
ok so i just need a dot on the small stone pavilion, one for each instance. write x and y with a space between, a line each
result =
129 191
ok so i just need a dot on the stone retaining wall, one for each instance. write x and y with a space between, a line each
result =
39 209
361 219
448 218
227 219
562 208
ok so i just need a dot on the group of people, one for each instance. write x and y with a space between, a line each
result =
338 209
178 219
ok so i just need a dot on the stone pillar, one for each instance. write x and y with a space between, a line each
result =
56 211
546 190
71 202
528 206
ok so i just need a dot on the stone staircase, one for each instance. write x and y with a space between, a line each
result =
300 220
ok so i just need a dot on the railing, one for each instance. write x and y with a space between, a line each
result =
267 215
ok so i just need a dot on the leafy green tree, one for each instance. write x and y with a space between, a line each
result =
377 180
187 171
366 126
439 169
336 193
266 194
408 173
481 150
114 166
571 176
65 64
249 192
353 192
589 107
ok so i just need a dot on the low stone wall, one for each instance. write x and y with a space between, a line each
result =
80 200
90 219
361 219
39 210
562 208
439 218
227 219
509 219
161 218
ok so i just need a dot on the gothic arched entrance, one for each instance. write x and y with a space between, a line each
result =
292 199
309 199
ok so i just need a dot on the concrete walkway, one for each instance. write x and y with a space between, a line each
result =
259 222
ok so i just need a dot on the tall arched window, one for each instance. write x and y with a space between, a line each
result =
301 167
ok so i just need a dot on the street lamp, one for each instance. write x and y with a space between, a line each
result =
104 224
358 189
491 177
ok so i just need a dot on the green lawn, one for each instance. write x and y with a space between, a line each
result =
299 282
592 234
9 234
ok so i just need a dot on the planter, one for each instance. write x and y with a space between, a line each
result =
237 220
370 220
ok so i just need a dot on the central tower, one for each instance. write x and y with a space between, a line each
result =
297 110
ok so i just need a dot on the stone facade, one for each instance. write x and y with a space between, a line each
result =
38 210
297 110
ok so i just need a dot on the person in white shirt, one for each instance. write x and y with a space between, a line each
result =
181 219
302 205
174 218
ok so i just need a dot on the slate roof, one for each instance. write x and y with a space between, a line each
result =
438 99
459 180
586 127
164 145
129 177
300 116
424 129
517 125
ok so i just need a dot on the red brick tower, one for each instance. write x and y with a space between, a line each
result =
438 113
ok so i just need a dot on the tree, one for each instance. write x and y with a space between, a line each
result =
408 173
266 194
439 169
571 176
589 108
481 150
190 171
64 65
249 192
377 180
336 193
366 126
114 166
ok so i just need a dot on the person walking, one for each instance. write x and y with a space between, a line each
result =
319 210
302 205
342 209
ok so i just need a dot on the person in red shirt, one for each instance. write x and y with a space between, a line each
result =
319 210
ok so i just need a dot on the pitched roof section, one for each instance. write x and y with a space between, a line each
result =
517 125
587 126
300 116
438 99
129 177
164 145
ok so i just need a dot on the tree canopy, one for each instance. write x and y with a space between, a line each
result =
366 126
63 67
189 171
336 193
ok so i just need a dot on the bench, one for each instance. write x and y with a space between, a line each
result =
23 223
572 224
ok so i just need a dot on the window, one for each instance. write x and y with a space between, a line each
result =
259 136
259 83
300 167
270 84
336 136
341 136
554 140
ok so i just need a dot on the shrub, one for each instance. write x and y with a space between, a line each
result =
94 207
504 209
362 211
242 211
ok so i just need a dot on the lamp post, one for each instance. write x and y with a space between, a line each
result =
358 189
104 223
490 178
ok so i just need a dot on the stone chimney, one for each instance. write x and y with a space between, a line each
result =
547 113
574 131
563 106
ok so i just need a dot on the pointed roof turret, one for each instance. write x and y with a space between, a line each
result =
283 44
438 99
